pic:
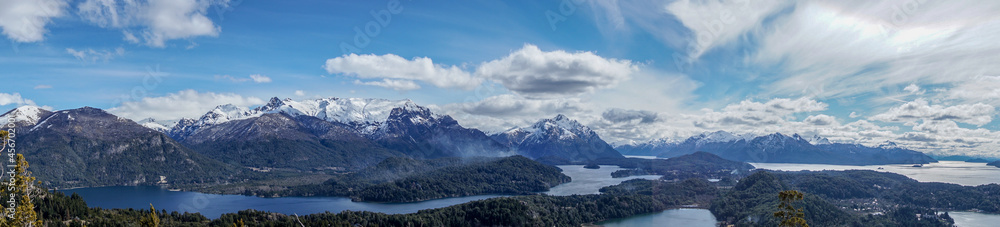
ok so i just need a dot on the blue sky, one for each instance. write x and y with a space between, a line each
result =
921 74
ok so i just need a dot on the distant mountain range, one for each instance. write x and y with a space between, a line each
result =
90 147
996 163
559 140
780 148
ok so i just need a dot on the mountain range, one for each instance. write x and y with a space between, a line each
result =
780 148
89 147
559 140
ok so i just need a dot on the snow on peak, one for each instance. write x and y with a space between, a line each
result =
367 114
720 137
888 145
24 115
563 126
152 124
818 140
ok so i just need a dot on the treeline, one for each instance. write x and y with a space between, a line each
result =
409 180
753 200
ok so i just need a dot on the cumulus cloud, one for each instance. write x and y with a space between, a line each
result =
514 105
920 109
25 20
763 116
821 119
156 21
300 93
621 115
183 104
14 98
532 72
398 85
391 66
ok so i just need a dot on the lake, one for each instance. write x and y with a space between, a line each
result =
589 181
584 181
673 217
213 205
956 172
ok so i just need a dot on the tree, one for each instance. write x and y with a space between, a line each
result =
24 212
150 220
239 223
790 216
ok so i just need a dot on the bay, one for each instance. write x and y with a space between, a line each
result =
673 217
589 181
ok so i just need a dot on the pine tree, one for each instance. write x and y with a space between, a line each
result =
24 214
790 217
150 220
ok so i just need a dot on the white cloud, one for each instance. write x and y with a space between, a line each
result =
920 109
157 21
717 22
534 73
300 93
43 86
399 85
844 48
91 55
15 98
183 104
257 78
821 119
391 66
25 20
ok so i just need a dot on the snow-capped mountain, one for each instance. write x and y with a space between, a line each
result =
89 147
718 137
363 114
818 140
558 140
399 125
152 124
777 147
24 116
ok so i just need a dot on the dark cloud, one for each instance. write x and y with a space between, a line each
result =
621 115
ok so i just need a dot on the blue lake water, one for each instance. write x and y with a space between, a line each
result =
212 205
584 181
674 217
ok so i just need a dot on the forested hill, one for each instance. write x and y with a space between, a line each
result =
408 180
754 199
894 198
696 165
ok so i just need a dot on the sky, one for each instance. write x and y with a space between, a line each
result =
920 73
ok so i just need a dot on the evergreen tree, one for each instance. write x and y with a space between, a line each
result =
150 220
790 217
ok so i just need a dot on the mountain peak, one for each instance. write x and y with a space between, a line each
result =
25 115
818 140
888 145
